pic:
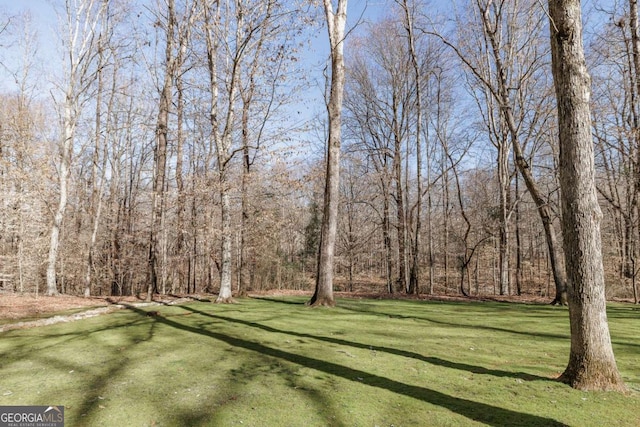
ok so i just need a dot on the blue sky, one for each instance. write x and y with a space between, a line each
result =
311 102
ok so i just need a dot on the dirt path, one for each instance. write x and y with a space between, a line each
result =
28 311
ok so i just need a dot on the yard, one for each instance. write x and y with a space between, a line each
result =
272 361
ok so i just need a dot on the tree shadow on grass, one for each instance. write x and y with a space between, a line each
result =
86 410
481 412
390 350
283 301
59 339
458 325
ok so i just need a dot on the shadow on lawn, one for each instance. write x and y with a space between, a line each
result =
481 412
85 412
390 350
283 301
458 325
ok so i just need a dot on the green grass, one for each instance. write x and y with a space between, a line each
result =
275 362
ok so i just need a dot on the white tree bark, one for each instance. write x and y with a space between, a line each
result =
82 17
336 22
63 181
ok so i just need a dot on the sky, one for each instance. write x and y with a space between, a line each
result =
44 21
310 104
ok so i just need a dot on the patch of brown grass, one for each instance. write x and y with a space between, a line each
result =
20 306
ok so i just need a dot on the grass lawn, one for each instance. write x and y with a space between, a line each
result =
275 362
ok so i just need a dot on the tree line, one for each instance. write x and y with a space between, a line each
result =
165 150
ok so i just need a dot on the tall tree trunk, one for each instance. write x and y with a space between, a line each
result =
94 208
245 243
501 92
592 364
336 21
63 180
432 269
504 184
222 128
225 293
556 254
445 216
245 250
400 216
246 247
635 41
414 273
181 237
160 156
386 236
98 182
518 240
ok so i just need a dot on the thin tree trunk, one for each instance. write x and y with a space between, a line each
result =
245 245
222 143
445 228
504 183
556 255
323 294
386 236
432 269
635 40
492 32
181 237
414 272
160 156
592 364
94 208
518 240
98 183
63 179
401 217
81 20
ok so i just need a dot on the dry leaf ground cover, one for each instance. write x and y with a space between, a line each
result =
272 361
29 306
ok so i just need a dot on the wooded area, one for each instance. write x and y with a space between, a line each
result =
170 150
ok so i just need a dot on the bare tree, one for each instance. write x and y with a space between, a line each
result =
262 97
233 32
592 364
102 133
615 121
24 165
82 18
414 273
368 128
160 151
635 41
177 31
510 56
336 22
